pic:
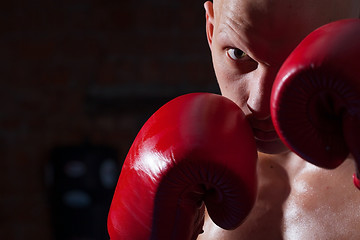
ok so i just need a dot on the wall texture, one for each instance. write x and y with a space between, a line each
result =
81 70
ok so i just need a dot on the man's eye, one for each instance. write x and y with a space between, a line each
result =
235 53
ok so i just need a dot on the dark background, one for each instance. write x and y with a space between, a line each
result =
85 71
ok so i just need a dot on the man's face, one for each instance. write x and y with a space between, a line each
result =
250 39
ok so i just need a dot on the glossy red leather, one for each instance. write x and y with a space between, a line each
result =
315 102
197 149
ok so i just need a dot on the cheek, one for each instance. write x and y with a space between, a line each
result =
235 90
233 85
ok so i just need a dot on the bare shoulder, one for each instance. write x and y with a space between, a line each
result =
298 201
323 204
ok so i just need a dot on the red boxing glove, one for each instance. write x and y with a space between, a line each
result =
315 102
196 149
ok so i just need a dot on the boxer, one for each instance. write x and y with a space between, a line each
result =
249 41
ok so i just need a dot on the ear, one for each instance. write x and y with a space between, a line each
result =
209 14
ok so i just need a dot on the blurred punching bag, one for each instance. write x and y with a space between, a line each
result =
81 181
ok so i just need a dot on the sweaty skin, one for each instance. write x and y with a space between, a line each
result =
249 40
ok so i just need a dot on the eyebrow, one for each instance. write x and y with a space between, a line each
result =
244 38
234 31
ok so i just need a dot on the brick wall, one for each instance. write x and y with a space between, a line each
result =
76 70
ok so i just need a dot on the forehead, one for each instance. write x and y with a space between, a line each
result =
267 29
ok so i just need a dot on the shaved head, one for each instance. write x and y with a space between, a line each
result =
249 41
281 23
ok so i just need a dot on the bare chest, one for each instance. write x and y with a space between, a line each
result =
298 201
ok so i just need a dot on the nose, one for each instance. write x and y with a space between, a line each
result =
260 91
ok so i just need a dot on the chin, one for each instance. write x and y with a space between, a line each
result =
272 147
